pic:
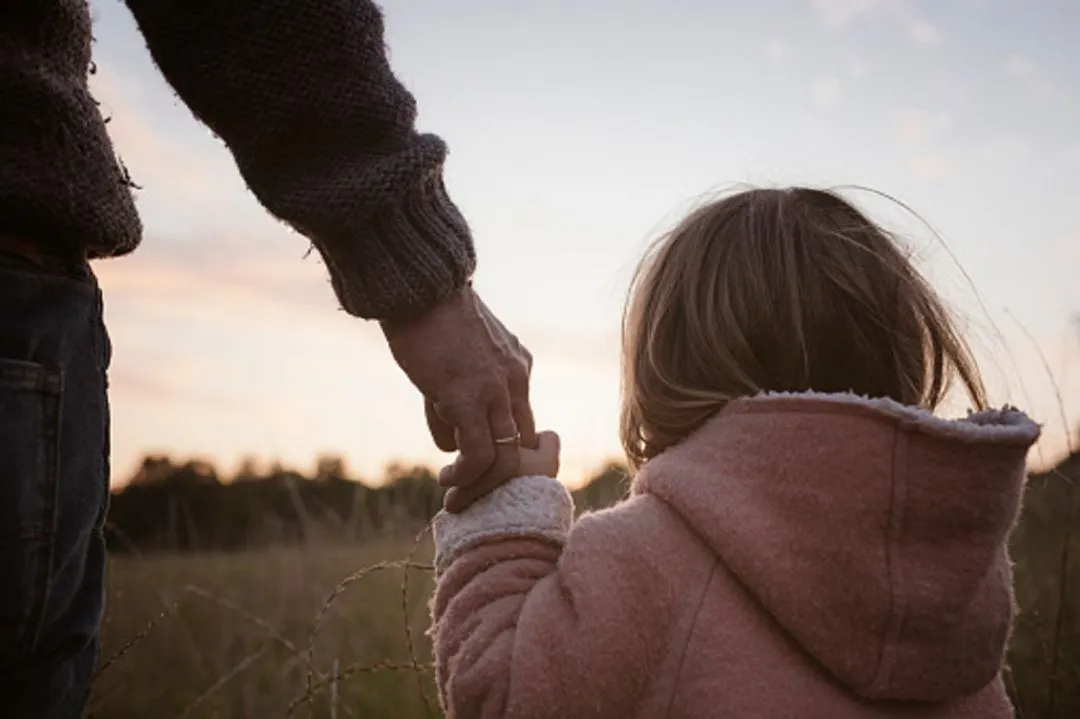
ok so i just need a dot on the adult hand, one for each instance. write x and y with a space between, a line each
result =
543 460
474 375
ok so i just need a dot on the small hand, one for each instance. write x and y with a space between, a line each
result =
474 375
543 460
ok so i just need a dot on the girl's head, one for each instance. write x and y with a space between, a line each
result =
778 290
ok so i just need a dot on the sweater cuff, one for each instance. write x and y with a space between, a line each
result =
415 253
536 506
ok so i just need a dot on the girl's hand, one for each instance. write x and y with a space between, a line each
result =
543 460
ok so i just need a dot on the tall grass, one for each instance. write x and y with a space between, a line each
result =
278 632
300 631
269 633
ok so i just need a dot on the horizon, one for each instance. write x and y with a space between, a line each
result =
580 144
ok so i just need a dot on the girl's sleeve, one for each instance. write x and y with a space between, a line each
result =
535 619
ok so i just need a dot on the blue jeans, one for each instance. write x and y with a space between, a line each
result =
54 485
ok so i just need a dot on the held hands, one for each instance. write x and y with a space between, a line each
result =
543 460
474 375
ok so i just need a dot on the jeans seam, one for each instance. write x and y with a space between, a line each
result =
50 463
102 351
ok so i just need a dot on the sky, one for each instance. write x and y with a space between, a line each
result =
578 132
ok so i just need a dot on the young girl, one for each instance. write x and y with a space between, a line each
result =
804 537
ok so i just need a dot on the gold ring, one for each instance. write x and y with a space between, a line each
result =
509 440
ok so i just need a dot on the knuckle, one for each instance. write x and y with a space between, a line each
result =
497 386
519 375
449 411
462 404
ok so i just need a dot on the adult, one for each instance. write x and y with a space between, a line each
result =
323 134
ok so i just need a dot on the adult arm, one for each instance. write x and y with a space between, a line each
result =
323 134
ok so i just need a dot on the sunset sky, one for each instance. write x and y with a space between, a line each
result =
578 131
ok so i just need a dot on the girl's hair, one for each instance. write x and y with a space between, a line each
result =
778 290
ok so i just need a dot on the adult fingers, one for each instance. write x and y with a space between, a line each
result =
526 424
458 499
453 502
506 439
517 360
441 430
476 446
518 386
503 468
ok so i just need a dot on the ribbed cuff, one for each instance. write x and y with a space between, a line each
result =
416 253
535 506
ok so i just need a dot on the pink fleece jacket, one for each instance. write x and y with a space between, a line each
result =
811 556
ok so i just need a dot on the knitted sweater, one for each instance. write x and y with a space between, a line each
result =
303 96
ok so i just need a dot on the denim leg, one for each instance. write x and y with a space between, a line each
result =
54 354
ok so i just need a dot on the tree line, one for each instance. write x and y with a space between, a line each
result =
182 506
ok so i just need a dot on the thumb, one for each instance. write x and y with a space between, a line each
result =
547 442
545 458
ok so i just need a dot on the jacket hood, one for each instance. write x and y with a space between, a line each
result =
872 532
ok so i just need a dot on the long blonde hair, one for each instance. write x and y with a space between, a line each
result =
779 290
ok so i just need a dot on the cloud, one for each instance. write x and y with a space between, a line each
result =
857 68
917 127
583 349
775 50
168 383
1005 151
1019 67
929 166
912 129
827 91
920 130
240 269
1069 251
1031 75
838 14
924 33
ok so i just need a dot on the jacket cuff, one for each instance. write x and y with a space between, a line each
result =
415 253
536 506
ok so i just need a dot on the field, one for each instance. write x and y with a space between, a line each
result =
227 635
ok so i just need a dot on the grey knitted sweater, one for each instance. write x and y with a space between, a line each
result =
301 93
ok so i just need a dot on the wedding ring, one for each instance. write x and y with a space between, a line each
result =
509 440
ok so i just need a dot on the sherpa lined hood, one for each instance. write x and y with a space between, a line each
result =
872 532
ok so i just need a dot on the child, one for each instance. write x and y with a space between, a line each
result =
804 537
